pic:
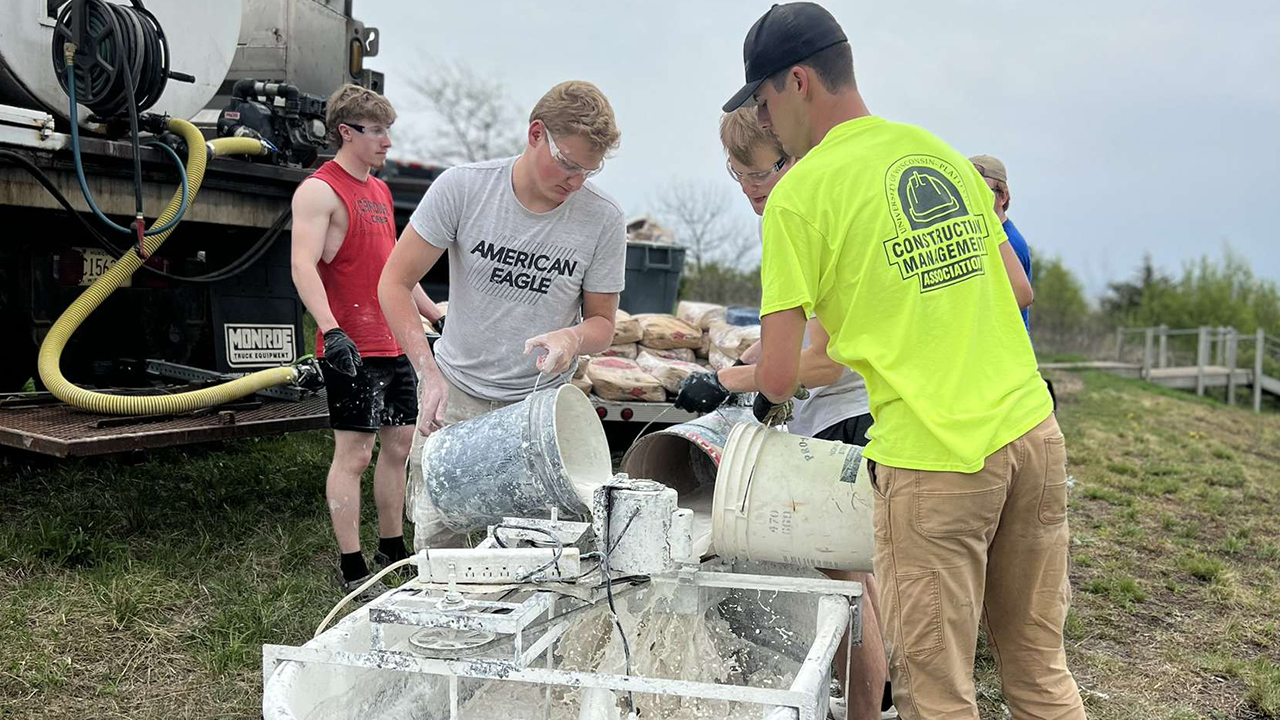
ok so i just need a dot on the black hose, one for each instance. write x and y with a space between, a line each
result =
42 178
124 52
230 270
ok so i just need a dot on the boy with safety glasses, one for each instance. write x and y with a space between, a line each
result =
536 262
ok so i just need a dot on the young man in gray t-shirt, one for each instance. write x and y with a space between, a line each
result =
537 258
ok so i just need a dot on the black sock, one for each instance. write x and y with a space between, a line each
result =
393 548
353 567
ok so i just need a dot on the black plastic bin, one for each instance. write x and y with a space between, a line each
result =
653 277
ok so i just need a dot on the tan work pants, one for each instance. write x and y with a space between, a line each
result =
954 549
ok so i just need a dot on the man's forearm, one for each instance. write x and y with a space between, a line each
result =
314 298
781 340
596 334
403 319
426 306
815 371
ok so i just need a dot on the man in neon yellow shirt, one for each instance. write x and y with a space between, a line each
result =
888 236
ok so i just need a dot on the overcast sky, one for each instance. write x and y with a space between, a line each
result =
1127 127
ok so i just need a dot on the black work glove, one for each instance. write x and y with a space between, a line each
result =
773 414
439 325
701 393
341 353
770 414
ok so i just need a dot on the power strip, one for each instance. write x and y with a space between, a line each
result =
478 566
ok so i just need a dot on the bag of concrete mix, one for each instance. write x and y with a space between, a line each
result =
704 350
615 378
627 350
698 314
626 329
664 332
719 360
733 340
583 383
668 372
681 354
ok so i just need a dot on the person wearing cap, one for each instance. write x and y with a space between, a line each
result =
997 178
835 410
889 237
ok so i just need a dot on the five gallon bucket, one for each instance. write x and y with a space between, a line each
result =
548 450
792 499
685 456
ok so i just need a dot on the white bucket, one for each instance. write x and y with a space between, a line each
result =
793 499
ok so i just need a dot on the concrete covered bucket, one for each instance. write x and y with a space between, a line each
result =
685 456
548 450
792 499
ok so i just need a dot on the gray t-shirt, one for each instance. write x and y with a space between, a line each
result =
514 274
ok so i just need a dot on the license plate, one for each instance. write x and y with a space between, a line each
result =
97 262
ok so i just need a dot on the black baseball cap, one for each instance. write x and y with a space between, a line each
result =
782 38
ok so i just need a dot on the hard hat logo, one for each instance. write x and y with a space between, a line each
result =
940 240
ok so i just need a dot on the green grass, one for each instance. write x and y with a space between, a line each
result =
133 588
1201 567
1123 591
1113 497
1174 553
1264 686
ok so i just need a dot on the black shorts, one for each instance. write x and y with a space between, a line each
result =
383 393
850 432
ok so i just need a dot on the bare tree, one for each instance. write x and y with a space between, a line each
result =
474 119
699 214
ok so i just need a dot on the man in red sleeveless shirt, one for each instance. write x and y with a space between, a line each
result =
343 231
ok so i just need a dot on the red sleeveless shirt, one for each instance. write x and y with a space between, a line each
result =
351 278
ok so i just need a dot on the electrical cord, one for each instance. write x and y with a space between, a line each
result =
608 585
44 180
354 593
555 560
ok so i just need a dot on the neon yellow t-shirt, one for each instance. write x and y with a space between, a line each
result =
889 236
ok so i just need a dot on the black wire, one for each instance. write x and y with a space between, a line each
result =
554 560
245 261
42 178
235 267
608 588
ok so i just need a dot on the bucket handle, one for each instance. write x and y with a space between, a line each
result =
746 493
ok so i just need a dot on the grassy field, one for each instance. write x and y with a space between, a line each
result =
145 587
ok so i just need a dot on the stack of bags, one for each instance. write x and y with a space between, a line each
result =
653 353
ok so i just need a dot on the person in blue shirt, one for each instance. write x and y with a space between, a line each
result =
997 177
993 171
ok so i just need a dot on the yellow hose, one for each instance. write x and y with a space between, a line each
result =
124 267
